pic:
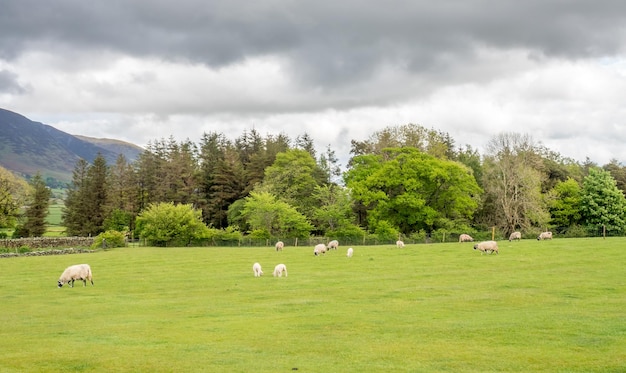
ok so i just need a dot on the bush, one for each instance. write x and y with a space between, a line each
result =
108 240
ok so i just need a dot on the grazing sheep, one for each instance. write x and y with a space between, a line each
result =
257 270
515 236
319 249
487 246
399 244
76 272
280 245
544 236
349 254
465 238
279 269
334 244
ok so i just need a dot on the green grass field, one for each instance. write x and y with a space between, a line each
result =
552 306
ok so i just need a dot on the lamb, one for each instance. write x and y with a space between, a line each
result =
256 268
515 236
487 246
279 269
349 254
76 272
544 236
280 245
399 244
465 238
319 249
334 244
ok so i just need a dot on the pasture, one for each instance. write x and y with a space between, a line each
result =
550 306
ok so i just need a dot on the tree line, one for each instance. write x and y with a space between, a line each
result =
403 181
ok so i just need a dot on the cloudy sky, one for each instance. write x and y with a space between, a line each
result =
337 70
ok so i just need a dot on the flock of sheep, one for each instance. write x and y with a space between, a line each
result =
82 272
490 247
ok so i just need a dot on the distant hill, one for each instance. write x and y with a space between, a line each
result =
28 147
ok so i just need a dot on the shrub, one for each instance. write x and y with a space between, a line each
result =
108 240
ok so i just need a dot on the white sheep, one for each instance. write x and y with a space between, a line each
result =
544 236
399 244
349 254
279 269
319 249
515 236
334 244
256 268
465 238
80 272
487 246
280 245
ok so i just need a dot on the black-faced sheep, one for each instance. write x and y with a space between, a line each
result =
544 236
349 253
515 236
333 245
487 247
256 268
279 270
465 238
280 245
81 272
399 244
319 249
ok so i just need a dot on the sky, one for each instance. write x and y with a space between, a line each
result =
338 71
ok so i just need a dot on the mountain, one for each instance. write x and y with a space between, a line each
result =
28 147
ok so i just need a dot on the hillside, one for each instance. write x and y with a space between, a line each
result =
28 147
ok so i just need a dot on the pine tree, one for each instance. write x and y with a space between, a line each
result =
36 212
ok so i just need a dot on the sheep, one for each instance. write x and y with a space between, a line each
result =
515 236
399 244
319 249
279 269
465 238
349 254
280 245
76 272
487 246
334 244
256 268
544 236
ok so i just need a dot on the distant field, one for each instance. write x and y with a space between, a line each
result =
550 306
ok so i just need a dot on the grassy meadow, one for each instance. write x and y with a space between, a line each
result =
550 306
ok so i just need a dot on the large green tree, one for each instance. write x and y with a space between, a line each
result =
412 190
564 204
37 210
293 177
85 203
602 203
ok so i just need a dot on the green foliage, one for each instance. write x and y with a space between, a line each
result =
384 231
118 220
85 202
350 232
411 190
13 195
602 203
264 212
293 176
109 239
165 224
37 209
564 203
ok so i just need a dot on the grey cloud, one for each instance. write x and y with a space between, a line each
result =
326 43
9 83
